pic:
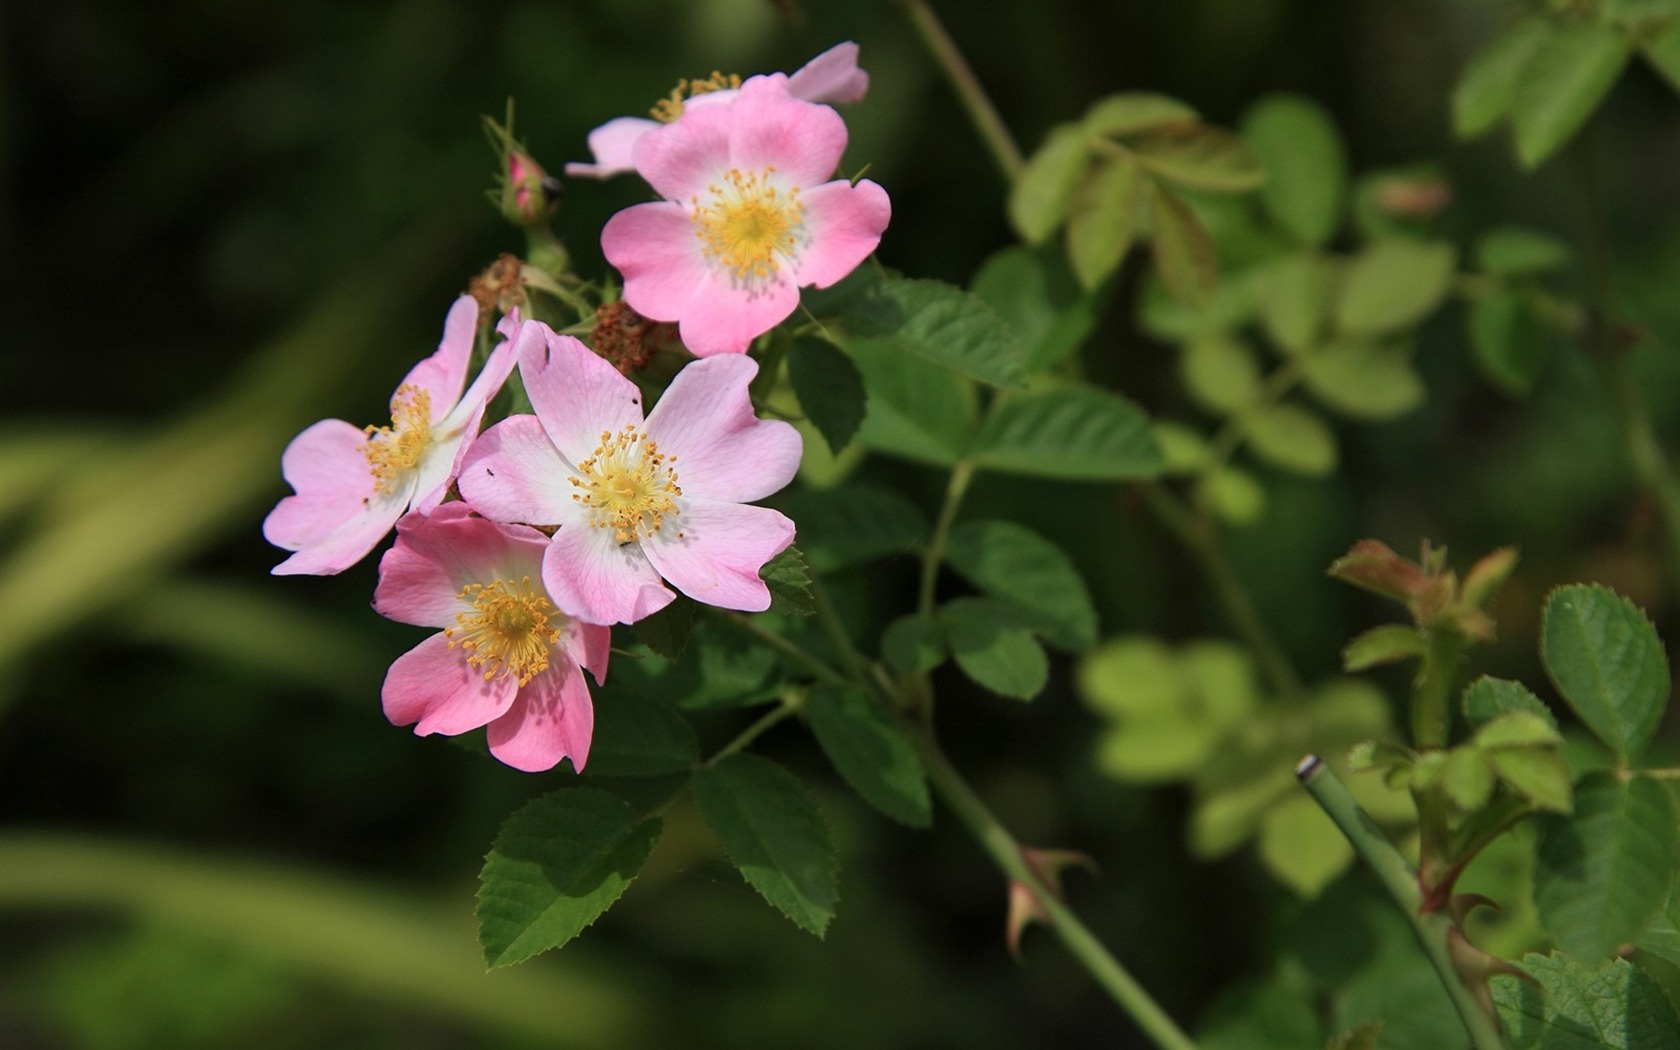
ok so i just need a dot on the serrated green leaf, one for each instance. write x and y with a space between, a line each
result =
851 524
790 584
1518 729
1568 1006
666 632
1602 875
1301 846
1487 698
1467 778
994 648
1304 161
1013 563
1105 217
1078 433
916 409
1232 495
1607 661
1563 81
1199 156
870 751
829 388
772 831
1037 295
1382 645
1296 293
1511 250
937 322
1538 774
558 862
1510 343
1485 92
1183 252
1364 380
1041 197
1292 438
913 644
1393 284
639 735
1220 372
1130 112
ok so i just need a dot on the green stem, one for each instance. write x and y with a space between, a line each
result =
786 649
973 97
1006 853
1432 930
1196 534
835 629
961 475
791 704
1432 697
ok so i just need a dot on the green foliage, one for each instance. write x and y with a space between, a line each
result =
1292 438
853 523
1074 433
1305 165
1029 573
916 409
1221 373
1036 294
1184 253
1106 214
1511 250
1369 381
938 322
1041 197
638 735
1571 70
1569 1006
773 833
1488 88
1487 698
1170 710
789 581
1510 341
1199 157
558 862
667 631
1393 284
1605 873
829 389
1296 293
1607 661
914 643
870 751
995 647
1381 645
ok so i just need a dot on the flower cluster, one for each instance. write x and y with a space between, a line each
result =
525 541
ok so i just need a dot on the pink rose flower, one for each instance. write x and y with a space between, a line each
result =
831 77
637 501
353 483
747 218
507 657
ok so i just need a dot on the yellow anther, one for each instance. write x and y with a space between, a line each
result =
507 632
748 224
629 485
394 450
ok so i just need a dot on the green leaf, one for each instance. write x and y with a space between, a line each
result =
1305 164
1295 296
913 644
1040 199
1568 1006
1364 380
1564 80
1487 698
1467 778
790 584
1602 875
1489 84
1512 250
1301 846
993 648
1105 217
1510 342
1130 112
1200 157
829 388
1232 495
1183 251
1037 295
639 735
870 751
937 322
1518 729
1538 774
1382 645
1393 284
1027 571
852 524
1220 372
772 831
1183 451
1078 433
666 632
1663 53
1292 438
558 862
916 409
1170 709
1607 661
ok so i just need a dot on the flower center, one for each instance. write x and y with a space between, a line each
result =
507 630
629 484
670 107
394 450
748 223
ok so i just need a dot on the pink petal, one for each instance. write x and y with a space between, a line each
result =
611 144
722 450
514 473
453 437
591 577
552 719
432 685
769 128
336 517
440 552
443 374
681 159
845 223
588 645
715 553
724 318
576 394
654 246
831 77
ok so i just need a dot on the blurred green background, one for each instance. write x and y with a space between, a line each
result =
224 221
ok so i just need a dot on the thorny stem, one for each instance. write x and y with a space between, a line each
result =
967 86
1432 930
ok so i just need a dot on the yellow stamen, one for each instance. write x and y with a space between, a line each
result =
670 107
507 631
629 484
392 451
748 224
